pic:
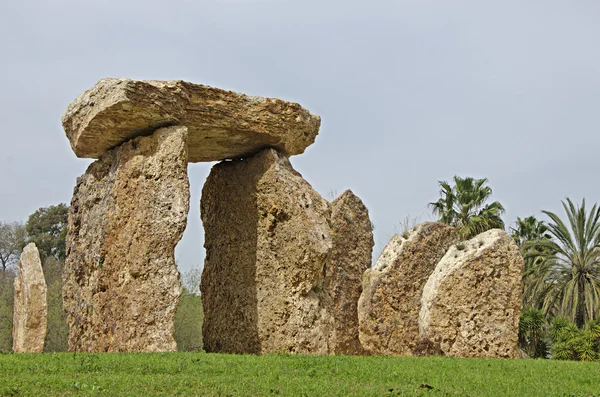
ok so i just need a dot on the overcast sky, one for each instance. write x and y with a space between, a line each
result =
410 92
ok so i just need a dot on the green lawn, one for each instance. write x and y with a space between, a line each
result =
237 375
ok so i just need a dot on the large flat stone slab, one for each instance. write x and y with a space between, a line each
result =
221 124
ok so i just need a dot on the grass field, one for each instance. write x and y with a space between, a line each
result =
285 375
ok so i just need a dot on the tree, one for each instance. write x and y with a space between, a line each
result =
464 207
526 233
47 228
571 273
189 314
532 325
12 241
529 229
6 309
572 343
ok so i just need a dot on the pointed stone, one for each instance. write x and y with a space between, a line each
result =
129 210
222 124
350 257
388 309
472 302
30 308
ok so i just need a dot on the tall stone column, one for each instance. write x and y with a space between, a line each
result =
30 308
129 210
283 266
349 259
267 239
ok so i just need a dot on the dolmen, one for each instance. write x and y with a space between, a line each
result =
285 270
283 266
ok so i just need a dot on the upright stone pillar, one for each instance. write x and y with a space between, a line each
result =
350 257
30 308
471 304
267 239
129 210
389 306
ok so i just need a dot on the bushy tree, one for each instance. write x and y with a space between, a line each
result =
464 207
12 241
189 314
532 329
6 309
47 228
572 343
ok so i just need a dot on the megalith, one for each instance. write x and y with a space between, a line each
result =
472 302
129 210
221 124
352 239
267 240
388 309
30 307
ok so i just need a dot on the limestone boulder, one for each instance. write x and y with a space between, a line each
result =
30 306
389 306
222 124
267 240
129 210
350 256
472 302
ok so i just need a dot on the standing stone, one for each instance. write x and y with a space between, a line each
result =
30 308
129 210
472 302
222 124
267 239
388 309
350 256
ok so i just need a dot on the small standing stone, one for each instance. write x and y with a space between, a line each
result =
30 309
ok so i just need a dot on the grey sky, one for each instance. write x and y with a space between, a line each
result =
410 92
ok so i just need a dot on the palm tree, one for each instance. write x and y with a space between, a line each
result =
529 229
463 206
526 233
571 272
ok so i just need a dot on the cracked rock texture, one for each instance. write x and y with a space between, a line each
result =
388 309
129 210
472 302
222 124
350 256
30 307
267 239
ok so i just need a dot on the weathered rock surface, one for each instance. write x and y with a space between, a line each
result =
267 239
472 302
222 124
388 309
121 284
350 256
30 308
